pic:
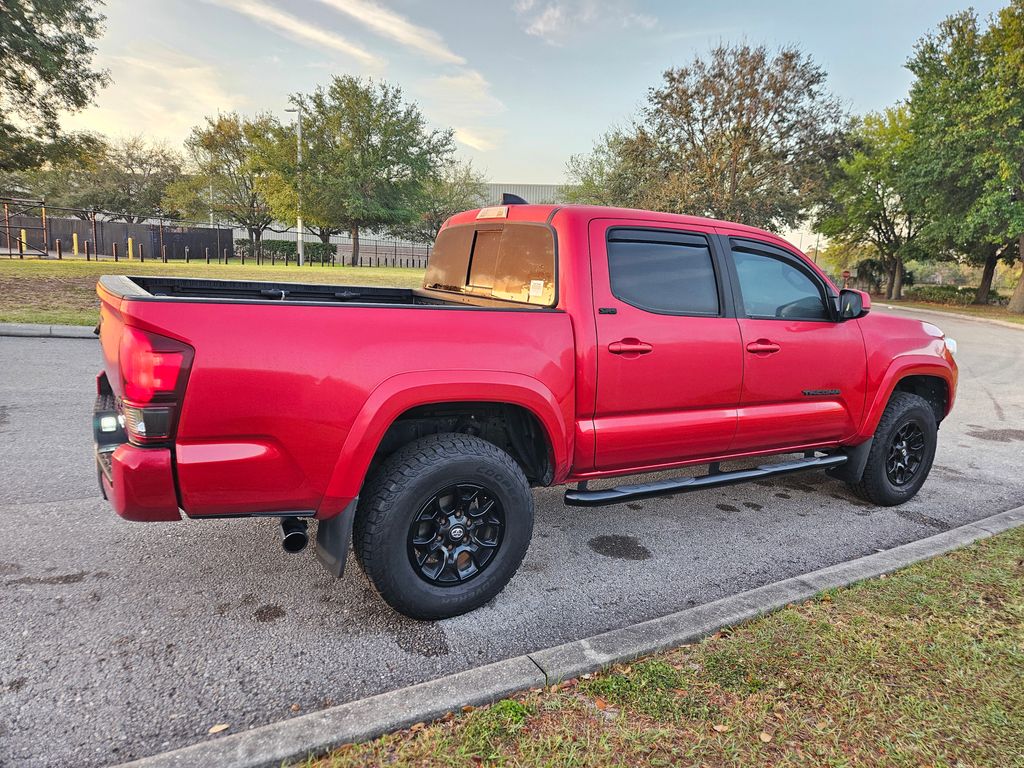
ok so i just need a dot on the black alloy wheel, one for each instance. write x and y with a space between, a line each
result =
906 454
456 534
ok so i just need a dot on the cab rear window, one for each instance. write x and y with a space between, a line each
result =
510 261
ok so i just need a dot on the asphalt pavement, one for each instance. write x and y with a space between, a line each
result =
121 639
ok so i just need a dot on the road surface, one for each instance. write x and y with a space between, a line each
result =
121 640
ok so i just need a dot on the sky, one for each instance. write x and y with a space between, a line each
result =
525 84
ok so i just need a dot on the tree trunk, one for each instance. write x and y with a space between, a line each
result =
890 281
981 297
897 291
1017 300
355 247
325 236
258 245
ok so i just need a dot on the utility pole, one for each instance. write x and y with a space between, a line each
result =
298 171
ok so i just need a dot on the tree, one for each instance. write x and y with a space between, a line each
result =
952 165
46 67
1003 115
456 187
742 135
869 202
227 174
367 156
127 178
618 171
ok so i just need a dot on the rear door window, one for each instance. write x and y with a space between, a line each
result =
663 272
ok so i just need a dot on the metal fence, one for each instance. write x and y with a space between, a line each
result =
32 229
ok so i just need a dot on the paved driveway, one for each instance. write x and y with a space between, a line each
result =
120 640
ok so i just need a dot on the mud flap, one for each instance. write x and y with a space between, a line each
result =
333 539
853 470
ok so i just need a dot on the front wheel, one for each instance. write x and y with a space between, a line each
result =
443 525
901 455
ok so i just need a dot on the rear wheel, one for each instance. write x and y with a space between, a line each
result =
443 525
902 453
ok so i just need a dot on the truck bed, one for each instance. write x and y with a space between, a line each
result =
201 289
192 289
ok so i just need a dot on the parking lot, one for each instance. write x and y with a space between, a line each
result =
121 639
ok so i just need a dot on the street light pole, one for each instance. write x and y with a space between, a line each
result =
298 170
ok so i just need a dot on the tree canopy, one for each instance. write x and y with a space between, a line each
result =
742 134
367 155
46 52
869 197
226 175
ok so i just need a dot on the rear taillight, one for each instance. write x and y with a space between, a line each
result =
154 370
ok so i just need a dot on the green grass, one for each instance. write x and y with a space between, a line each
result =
64 292
921 668
991 312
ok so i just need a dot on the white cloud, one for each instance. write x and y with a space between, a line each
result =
297 29
391 25
474 140
464 100
554 21
157 90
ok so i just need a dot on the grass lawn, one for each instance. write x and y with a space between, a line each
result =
991 312
921 668
64 292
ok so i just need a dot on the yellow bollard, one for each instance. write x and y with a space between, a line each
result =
131 249
21 244
74 243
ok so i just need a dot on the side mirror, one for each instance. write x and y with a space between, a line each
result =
853 304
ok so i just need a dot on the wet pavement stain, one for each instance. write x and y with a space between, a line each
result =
268 613
427 640
619 547
65 578
6 569
727 508
3 416
996 435
921 519
635 505
752 505
783 496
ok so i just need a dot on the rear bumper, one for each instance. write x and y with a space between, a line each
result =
139 483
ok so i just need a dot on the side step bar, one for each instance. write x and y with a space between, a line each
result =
580 497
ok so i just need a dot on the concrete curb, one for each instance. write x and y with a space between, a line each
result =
33 330
956 315
297 739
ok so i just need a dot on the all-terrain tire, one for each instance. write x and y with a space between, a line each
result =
905 413
413 480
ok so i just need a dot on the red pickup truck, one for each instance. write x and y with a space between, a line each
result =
548 345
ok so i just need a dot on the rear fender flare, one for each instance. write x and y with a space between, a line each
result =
398 394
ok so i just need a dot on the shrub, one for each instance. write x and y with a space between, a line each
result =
952 295
278 250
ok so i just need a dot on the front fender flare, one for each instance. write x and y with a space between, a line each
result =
397 394
901 368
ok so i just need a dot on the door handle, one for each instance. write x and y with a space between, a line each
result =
763 347
630 347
